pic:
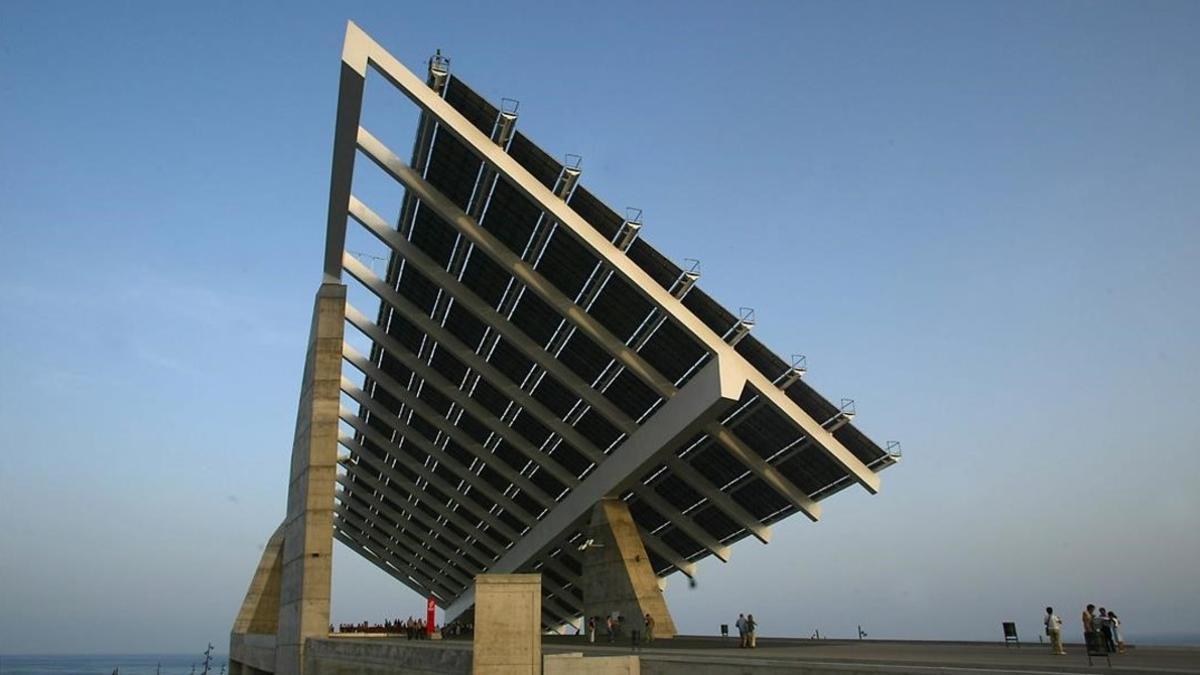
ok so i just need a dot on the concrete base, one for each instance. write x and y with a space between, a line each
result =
508 624
383 657
576 664
617 576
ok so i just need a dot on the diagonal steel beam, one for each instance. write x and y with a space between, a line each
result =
464 501
469 357
439 382
361 52
719 499
451 515
468 299
769 474
433 532
666 552
413 550
387 561
430 448
523 271
707 396
403 561
422 409
619 350
683 522
369 554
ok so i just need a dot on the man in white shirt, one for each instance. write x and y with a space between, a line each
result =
1054 630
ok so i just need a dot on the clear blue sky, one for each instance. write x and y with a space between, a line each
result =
980 220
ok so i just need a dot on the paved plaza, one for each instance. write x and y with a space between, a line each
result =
900 656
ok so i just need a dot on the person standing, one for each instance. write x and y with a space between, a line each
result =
1089 619
1106 633
1054 630
649 629
751 631
1116 629
591 629
611 625
741 626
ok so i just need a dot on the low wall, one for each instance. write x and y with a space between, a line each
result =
577 664
340 656
252 653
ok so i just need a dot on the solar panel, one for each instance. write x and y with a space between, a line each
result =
528 356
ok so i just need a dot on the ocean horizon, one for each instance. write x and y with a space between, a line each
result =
105 664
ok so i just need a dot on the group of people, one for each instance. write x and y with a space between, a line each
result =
613 624
1106 626
747 631
1102 630
413 629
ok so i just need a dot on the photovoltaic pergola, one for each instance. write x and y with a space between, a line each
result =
532 355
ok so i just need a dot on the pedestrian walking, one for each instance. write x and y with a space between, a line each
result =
649 623
751 631
741 626
1054 632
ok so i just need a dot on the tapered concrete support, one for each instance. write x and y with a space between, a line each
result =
508 624
617 576
252 640
308 525
260 608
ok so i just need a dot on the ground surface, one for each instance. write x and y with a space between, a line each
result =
958 656
882 656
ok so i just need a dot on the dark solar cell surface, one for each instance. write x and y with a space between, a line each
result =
443 491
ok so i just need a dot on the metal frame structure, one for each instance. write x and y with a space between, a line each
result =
532 355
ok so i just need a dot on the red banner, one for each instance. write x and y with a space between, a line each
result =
430 615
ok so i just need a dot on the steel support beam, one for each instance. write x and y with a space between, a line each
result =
464 473
464 502
719 499
368 52
369 554
706 397
371 493
512 263
447 340
466 298
400 558
482 549
769 474
413 552
384 560
446 388
683 522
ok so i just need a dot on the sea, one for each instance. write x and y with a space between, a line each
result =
106 664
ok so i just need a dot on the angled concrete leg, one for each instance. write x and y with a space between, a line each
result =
308 526
252 640
617 576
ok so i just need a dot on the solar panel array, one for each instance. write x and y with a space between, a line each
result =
463 439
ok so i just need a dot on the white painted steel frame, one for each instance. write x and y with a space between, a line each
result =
359 53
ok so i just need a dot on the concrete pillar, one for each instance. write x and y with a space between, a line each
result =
308 525
508 624
617 576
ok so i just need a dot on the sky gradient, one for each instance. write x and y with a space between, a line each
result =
979 220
